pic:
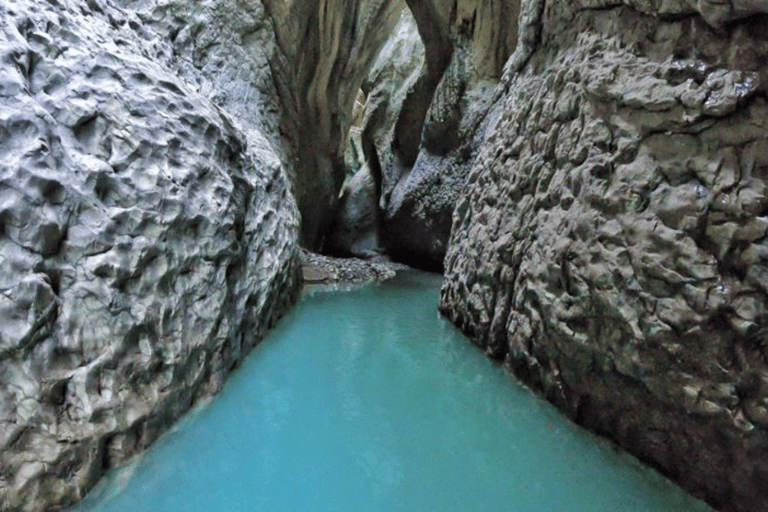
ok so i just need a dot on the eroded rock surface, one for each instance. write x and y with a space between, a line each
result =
222 49
146 244
612 240
326 49
441 122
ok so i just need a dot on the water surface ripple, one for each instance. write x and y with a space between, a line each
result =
369 401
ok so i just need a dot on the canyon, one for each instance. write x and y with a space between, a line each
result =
591 176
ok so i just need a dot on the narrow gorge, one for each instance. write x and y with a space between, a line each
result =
590 176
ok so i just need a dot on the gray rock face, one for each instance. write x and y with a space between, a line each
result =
326 49
441 122
146 244
222 49
612 239
716 12
354 231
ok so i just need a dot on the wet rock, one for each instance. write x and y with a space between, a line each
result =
146 244
609 241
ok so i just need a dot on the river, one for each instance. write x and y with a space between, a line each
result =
368 400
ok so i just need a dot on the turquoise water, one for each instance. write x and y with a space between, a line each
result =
369 401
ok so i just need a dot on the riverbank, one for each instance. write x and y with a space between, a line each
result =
320 270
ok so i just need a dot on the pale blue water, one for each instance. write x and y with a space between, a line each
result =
369 401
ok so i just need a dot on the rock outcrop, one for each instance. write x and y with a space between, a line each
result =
611 242
146 244
392 78
416 224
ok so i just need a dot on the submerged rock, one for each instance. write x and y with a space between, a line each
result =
146 244
611 243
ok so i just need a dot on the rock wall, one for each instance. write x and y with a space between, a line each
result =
441 122
146 243
326 49
221 49
356 228
611 242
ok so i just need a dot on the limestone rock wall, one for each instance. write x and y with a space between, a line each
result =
356 228
392 78
611 242
441 122
488 26
326 49
222 50
146 244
